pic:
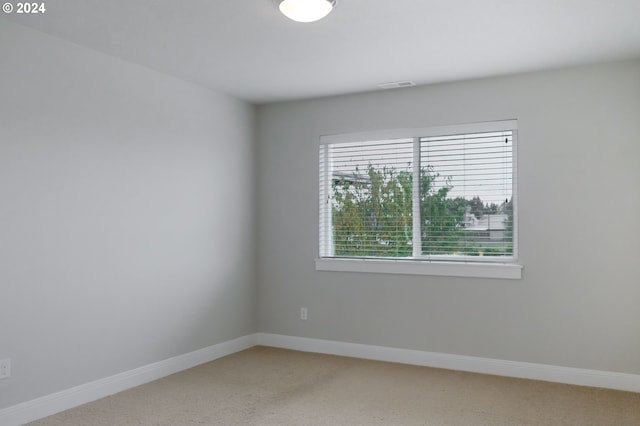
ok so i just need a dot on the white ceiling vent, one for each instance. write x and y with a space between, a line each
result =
396 84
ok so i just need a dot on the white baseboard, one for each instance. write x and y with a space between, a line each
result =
523 370
54 403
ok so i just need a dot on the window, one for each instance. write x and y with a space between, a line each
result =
438 201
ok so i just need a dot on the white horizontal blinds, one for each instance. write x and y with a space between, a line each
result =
326 247
371 198
466 194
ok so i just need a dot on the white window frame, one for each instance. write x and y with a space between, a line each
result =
501 268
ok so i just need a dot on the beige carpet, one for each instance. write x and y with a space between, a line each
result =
267 386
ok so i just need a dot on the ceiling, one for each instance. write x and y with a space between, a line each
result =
247 49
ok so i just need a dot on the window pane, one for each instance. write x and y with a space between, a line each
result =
371 198
466 184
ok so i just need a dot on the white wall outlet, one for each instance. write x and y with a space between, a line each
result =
303 313
5 368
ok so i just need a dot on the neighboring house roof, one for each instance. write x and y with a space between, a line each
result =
488 222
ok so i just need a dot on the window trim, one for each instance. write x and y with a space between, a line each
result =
505 268
511 271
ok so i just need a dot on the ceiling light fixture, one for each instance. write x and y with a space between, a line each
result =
305 10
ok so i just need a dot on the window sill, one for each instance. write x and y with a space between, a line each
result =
509 271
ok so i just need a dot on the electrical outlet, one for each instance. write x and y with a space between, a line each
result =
5 368
303 313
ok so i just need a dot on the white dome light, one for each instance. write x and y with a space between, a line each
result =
306 10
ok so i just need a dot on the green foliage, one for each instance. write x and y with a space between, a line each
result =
508 233
442 218
479 209
507 207
373 214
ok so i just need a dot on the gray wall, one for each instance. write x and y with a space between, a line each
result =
125 215
579 159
